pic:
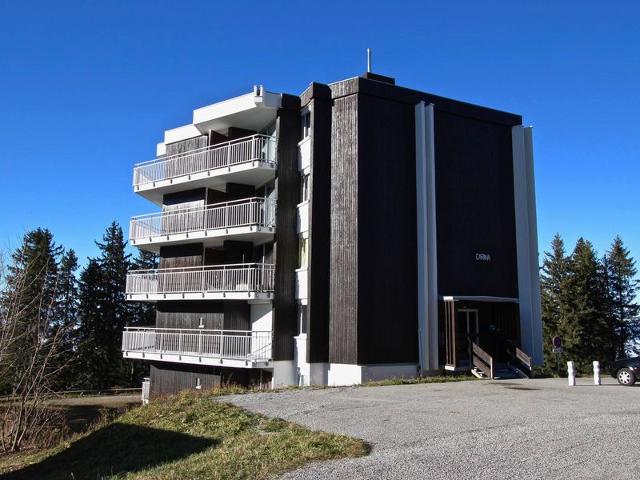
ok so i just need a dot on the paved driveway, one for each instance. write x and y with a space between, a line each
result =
476 429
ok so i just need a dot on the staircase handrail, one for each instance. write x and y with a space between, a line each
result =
482 360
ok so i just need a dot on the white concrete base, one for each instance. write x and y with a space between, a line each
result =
308 374
300 360
284 374
346 374
318 373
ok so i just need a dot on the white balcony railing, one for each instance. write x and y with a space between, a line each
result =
243 277
224 344
254 212
256 148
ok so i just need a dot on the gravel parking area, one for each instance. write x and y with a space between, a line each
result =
476 429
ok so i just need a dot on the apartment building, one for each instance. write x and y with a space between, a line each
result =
358 231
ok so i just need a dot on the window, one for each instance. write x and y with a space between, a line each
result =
304 188
302 252
306 125
302 319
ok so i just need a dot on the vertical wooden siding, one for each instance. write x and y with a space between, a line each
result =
319 226
343 258
387 235
475 207
187 255
188 314
286 249
168 378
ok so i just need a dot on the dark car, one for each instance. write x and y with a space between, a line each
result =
626 370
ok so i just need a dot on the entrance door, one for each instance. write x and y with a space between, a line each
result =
467 331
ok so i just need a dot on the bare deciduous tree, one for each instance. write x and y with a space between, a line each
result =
31 344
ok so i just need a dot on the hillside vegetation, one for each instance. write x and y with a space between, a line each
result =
188 436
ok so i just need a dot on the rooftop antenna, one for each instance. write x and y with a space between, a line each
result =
368 60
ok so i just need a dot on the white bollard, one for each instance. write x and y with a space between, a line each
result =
572 374
596 373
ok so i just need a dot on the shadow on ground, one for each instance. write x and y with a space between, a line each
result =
115 449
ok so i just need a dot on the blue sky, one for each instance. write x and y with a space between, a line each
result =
87 89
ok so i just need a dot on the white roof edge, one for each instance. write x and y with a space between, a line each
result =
259 98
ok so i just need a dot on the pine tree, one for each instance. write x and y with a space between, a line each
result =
66 312
31 286
144 313
622 288
555 305
104 312
91 356
588 297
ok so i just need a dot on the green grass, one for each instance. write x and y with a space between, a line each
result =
188 436
417 380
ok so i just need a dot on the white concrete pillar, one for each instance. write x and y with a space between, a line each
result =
527 242
596 373
572 374
427 245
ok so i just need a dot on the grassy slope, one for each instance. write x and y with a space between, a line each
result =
189 436
417 380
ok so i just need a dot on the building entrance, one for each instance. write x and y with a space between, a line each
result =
467 331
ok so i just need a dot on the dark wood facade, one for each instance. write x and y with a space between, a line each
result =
286 250
170 378
372 311
362 305
167 378
475 207
318 99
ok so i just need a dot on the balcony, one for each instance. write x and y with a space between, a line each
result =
233 348
250 161
251 219
244 281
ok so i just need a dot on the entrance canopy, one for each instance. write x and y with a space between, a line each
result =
456 298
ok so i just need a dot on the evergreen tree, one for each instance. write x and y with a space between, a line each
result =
91 356
622 288
556 318
103 314
144 313
31 287
66 315
588 296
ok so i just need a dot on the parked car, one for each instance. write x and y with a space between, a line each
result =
626 370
